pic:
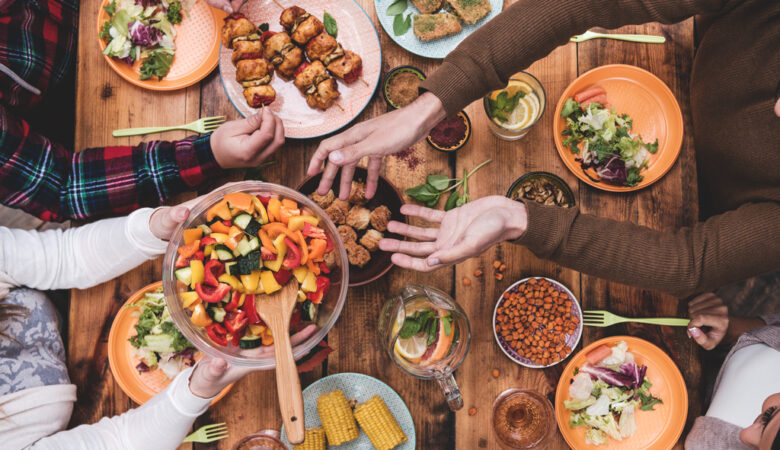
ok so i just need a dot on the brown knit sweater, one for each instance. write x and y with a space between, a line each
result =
736 76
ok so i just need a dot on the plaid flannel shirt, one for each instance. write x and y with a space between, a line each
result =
41 177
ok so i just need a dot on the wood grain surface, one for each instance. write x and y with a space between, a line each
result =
106 102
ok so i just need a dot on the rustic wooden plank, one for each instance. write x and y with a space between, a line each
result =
667 205
511 160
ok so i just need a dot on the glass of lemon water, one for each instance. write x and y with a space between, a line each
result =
427 335
513 110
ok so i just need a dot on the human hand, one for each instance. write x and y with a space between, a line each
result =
211 375
247 142
226 5
465 232
708 310
375 138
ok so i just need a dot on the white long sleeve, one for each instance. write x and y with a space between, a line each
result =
159 424
80 257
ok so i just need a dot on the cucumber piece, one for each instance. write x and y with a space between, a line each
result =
249 262
254 243
250 342
205 228
231 268
309 311
252 228
243 247
217 313
242 220
223 252
184 275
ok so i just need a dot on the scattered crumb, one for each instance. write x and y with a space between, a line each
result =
499 276
495 373
472 411
502 267
496 264
466 281
478 273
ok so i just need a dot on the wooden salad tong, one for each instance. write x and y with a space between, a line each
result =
276 310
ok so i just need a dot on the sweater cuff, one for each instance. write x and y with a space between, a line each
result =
183 399
452 86
140 235
196 160
547 227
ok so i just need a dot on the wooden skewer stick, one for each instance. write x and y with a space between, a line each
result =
363 81
278 4
340 107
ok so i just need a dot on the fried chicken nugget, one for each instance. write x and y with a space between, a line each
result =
379 218
371 239
357 193
323 201
337 211
347 233
358 217
357 254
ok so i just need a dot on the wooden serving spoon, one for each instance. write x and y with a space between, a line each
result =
276 310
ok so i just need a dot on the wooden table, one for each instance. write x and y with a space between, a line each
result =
106 102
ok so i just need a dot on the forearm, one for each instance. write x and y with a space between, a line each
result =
740 325
729 247
529 30
79 257
162 422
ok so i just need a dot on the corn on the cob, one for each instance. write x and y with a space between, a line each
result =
378 423
337 418
314 440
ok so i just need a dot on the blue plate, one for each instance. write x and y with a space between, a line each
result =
361 388
438 48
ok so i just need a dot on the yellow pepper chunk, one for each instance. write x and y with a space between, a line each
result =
198 272
260 209
256 330
189 298
281 249
300 273
297 222
269 282
219 237
309 283
232 281
250 281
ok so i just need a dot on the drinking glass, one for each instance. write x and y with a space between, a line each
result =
442 361
262 440
523 419
536 96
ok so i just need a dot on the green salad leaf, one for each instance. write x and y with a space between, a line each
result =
158 64
110 9
174 12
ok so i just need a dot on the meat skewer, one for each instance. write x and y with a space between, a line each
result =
253 71
319 87
283 53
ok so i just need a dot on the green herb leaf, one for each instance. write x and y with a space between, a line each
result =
439 182
410 328
447 322
110 9
432 202
650 403
452 202
174 13
398 7
105 31
569 107
263 27
576 370
500 115
423 193
156 65
401 25
330 24
501 100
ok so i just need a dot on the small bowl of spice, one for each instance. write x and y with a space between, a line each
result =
450 134
402 86
543 188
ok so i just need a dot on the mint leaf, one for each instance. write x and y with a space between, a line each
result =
452 202
110 9
398 7
410 328
330 24
401 25
423 193
439 182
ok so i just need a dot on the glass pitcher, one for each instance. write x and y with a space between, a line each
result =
427 334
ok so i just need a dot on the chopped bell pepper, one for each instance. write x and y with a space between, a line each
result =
196 266
189 298
214 269
220 237
269 282
240 200
235 322
260 208
212 294
313 231
250 281
300 273
282 276
208 240
217 333
281 249
274 205
264 199
220 210
266 255
299 222
232 281
256 330
304 247
309 283
317 249
219 227
250 309
313 267
293 257
189 249
323 285
191 235
286 214
289 204
200 318
234 300
266 241
274 229
184 262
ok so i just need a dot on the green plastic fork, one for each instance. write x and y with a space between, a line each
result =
600 318
647 39
200 126
208 433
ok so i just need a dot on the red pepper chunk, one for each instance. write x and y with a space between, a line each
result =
323 285
207 240
249 309
264 199
212 294
293 257
311 231
324 268
235 322
213 270
234 301
329 248
266 254
282 276
184 262
217 333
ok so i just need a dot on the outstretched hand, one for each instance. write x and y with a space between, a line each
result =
465 232
211 375
247 142
384 135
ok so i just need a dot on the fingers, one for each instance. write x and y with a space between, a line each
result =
372 180
164 220
335 144
707 301
262 137
453 254
302 335
421 234
406 247
277 142
347 172
221 4
703 339
431 215
408 262
331 170
248 124
718 325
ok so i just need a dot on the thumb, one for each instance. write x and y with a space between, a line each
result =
701 338
248 124
165 220
215 369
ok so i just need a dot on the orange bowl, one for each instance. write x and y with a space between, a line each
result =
122 359
197 49
649 102
658 429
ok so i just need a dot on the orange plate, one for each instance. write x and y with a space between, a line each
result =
356 32
649 102
657 429
121 356
197 49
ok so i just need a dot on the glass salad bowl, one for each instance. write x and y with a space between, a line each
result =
328 309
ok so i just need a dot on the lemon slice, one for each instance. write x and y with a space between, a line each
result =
413 348
519 85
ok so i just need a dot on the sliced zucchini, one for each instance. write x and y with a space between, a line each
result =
232 268
249 262
242 220
184 275
253 228
250 342
217 313
309 311
205 228
254 243
223 252
243 247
